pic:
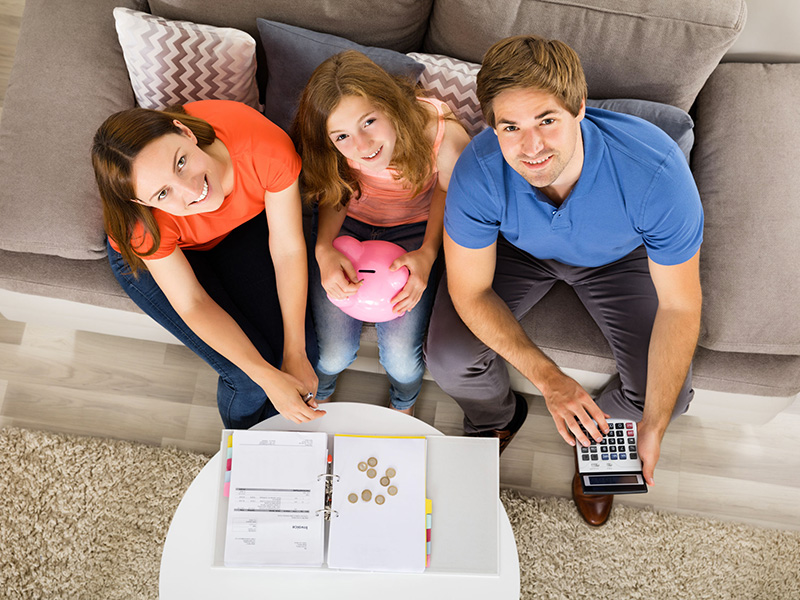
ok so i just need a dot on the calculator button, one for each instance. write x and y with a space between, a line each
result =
584 457
619 434
623 456
630 434
584 449
632 448
634 456
594 456
614 456
604 456
628 425
612 449
618 425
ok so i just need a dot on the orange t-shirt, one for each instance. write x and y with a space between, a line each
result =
386 201
264 160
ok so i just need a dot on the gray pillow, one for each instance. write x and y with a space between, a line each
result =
292 55
675 122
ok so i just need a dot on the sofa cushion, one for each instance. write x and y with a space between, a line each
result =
292 54
453 81
59 93
174 62
398 26
748 178
660 51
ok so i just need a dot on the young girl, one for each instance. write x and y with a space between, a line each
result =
184 195
377 160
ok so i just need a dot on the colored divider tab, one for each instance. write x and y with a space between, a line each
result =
226 489
428 527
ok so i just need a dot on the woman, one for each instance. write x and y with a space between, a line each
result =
184 195
377 160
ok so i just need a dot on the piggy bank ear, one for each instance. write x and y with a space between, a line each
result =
349 246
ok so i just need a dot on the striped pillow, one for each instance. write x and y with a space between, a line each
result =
453 81
174 62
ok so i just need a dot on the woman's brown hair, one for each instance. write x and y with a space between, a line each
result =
117 143
326 176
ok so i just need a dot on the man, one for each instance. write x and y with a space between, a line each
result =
555 191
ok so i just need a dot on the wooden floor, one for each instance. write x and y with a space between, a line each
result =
162 394
85 383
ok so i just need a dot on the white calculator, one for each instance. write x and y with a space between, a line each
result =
612 466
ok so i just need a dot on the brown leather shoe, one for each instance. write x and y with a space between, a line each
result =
593 509
506 435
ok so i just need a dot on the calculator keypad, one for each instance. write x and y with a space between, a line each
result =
615 452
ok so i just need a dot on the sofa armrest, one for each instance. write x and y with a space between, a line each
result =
745 164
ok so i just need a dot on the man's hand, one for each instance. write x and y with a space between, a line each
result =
570 404
649 445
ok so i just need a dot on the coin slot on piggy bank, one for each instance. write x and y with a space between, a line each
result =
371 259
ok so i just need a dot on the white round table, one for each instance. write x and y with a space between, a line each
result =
187 569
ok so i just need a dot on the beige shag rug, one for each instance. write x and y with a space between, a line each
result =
86 518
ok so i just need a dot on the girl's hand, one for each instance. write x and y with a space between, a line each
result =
419 264
287 394
339 277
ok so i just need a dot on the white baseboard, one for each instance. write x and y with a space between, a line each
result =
81 317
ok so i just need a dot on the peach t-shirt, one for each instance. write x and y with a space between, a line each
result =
386 201
264 159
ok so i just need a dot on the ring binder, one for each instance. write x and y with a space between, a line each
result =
328 513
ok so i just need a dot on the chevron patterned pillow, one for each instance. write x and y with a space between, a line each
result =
174 62
453 81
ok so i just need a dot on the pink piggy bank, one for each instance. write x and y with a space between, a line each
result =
371 260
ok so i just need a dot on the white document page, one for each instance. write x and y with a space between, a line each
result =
276 499
368 535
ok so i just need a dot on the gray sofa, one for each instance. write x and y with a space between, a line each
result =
69 74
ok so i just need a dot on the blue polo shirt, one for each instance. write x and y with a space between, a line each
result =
635 188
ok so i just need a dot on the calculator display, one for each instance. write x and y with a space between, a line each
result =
613 479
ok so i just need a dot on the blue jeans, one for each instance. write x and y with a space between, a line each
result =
238 274
399 340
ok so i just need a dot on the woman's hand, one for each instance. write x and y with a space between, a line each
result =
339 276
419 264
297 364
287 394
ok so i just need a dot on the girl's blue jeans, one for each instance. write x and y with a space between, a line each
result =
399 340
239 275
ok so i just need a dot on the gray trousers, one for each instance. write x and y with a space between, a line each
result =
619 296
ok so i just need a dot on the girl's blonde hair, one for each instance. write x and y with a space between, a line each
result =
326 177
117 143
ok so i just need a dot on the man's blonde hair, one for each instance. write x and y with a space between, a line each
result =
528 61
